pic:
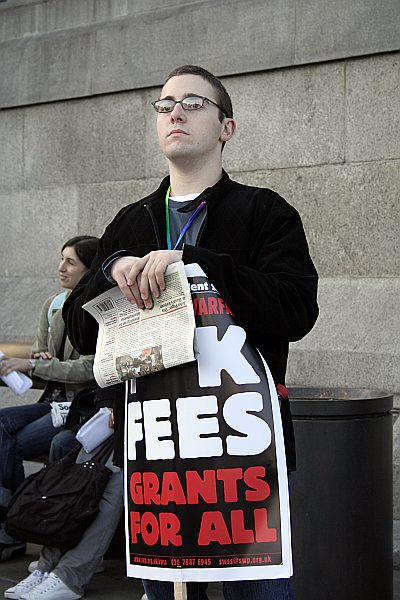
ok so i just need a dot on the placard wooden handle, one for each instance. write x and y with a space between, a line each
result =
180 592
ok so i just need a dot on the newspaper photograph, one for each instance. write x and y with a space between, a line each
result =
133 342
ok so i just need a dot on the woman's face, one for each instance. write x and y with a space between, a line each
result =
71 268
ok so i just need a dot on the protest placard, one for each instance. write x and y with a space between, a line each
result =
205 471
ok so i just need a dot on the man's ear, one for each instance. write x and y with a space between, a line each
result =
228 129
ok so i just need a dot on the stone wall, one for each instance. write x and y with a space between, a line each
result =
55 49
316 91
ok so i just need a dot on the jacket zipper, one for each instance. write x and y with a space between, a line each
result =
153 222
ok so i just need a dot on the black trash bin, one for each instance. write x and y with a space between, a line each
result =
341 494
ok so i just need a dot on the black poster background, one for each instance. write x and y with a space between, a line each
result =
182 381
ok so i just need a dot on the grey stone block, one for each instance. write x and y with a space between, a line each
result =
31 17
21 301
99 203
287 118
355 340
140 6
67 14
12 57
7 397
11 151
18 21
326 30
343 368
92 55
62 49
47 67
190 33
350 214
373 108
60 64
37 223
100 139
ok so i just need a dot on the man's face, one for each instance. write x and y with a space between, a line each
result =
189 135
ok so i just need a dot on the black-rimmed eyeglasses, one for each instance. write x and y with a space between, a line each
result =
167 105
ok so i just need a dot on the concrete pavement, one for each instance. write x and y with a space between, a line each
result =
112 583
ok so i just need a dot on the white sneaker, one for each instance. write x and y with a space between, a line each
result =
25 585
51 588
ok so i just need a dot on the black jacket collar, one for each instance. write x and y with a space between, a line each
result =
210 194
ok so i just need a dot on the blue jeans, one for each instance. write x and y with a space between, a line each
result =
25 433
61 444
266 589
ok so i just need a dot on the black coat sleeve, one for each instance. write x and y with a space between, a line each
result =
275 292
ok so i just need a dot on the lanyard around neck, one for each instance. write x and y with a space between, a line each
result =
186 227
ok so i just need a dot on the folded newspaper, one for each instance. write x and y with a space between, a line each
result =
133 342
95 431
18 382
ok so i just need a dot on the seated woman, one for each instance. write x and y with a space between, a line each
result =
26 431
58 576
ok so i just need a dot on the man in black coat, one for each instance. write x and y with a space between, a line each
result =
249 241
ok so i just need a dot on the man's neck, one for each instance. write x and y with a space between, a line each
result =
193 180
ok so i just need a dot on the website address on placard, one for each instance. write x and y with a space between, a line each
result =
184 562
147 560
245 560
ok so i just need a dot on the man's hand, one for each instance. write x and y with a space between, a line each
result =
8 364
120 272
142 279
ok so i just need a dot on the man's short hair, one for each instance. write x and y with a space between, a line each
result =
223 98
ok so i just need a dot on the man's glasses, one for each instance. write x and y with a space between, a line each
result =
167 105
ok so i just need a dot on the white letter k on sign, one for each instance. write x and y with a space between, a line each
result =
225 354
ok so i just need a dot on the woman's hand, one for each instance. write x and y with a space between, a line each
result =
8 364
43 355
